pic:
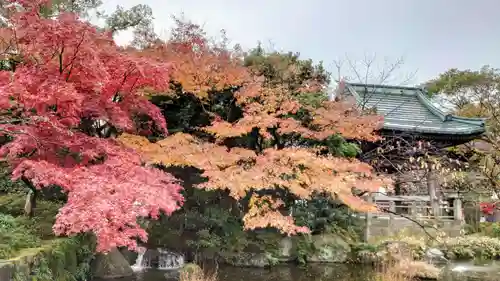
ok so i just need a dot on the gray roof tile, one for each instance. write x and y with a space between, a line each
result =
409 109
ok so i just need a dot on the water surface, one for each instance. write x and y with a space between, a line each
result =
279 273
461 271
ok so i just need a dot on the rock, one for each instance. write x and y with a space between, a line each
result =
417 269
247 259
329 248
6 271
111 265
435 256
367 257
286 251
130 256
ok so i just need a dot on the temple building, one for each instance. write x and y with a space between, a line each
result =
409 117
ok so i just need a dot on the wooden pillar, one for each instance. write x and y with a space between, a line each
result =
432 186
390 227
368 220
457 209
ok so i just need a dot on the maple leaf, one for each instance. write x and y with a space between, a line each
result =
69 72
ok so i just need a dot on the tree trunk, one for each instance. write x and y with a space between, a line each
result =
432 183
30 204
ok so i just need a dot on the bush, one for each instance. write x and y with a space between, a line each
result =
470 247
490 229
192 272
45 212
417 244
14 236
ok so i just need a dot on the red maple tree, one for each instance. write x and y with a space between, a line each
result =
65 72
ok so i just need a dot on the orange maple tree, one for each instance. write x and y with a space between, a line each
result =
268 148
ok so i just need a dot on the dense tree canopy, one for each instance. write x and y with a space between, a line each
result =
66 92
70 75
476 94
272 144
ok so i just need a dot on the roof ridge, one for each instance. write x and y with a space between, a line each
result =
384 86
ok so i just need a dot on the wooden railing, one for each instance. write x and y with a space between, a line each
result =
418 207
414 209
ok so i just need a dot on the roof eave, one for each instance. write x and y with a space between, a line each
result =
417 129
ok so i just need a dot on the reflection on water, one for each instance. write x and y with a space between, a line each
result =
280 273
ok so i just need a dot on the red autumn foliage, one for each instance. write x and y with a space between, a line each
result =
70 72
487 208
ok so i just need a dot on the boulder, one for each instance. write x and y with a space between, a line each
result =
435 256
111 265
244 259
286 250
329 248
6 271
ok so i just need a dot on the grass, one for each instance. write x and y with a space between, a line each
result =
18 232
406 270
390 273
14 236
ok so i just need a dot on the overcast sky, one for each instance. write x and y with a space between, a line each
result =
431 35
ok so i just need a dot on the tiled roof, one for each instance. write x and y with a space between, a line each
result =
409 109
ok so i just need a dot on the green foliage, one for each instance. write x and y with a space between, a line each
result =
490 229
324 215
15 236
305 248
312 99
358 247
471 247
6 184
41 223
66 259
285 69
339 147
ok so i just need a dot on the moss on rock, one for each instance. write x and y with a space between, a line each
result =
59 259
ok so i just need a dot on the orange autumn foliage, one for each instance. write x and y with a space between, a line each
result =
269 111
300 170
268 107
198 66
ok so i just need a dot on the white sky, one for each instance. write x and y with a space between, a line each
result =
432 35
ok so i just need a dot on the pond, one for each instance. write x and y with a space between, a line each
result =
466 271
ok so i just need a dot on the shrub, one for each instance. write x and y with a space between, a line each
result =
415 243
192 272
469 247
491 229
14 236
